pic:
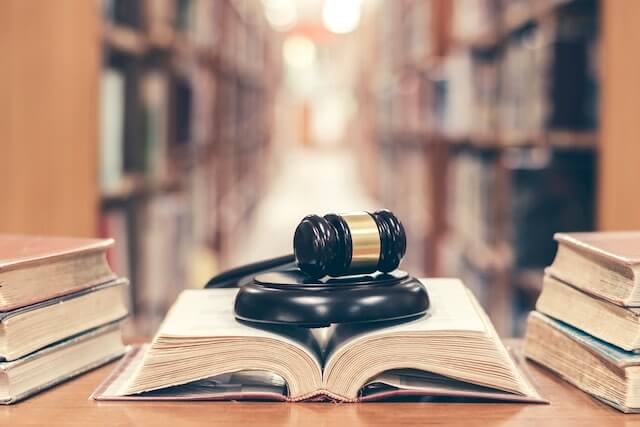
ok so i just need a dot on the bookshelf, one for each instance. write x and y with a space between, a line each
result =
187 85
216 166
144 120
491 106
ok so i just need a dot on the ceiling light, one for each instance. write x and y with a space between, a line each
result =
341 16
281 14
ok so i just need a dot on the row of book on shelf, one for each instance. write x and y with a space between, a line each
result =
484 135
540 76
516 199
184 122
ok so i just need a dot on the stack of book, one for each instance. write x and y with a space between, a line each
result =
61 307
586 326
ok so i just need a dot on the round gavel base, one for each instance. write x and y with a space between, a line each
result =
290 298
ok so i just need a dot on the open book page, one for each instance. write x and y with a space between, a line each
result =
209 313
456 339
451 309
201 326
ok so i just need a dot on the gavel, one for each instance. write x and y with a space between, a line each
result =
347 273
333 245
349 244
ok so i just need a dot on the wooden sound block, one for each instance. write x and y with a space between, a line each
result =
291 298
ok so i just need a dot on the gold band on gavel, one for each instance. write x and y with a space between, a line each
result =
365 240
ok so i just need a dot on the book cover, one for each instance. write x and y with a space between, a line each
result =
17 251
604 350
618 246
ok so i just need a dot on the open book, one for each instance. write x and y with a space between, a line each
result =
202 352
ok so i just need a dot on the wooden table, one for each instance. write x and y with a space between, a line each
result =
68 405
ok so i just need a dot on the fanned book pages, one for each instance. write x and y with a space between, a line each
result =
606 264
202 352
34 268
606 372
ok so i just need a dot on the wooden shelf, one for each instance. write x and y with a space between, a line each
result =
133 186
572 139
569 139
407 138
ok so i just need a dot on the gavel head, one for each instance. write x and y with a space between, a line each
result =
353 243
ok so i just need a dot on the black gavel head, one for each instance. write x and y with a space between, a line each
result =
353 243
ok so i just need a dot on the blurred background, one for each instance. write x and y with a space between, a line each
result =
197 133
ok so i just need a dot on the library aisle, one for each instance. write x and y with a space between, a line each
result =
308 181
198 133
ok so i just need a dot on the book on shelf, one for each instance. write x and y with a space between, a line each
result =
45 368
473 206
36 268
550 190
30 328
523 99
124 12
460 102
183 112
164 240
201 352
573 86
112 102
609 373
203 23
604 264
155 99
160 18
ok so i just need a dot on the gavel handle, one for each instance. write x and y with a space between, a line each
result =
234 277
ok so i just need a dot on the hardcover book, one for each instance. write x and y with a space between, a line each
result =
30 328
28 375
202 352
34 268
608 373
612 323
605 264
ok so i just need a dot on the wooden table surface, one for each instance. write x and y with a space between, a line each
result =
68 405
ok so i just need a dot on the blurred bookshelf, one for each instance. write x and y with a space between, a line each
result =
185 120
150 121
482 117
